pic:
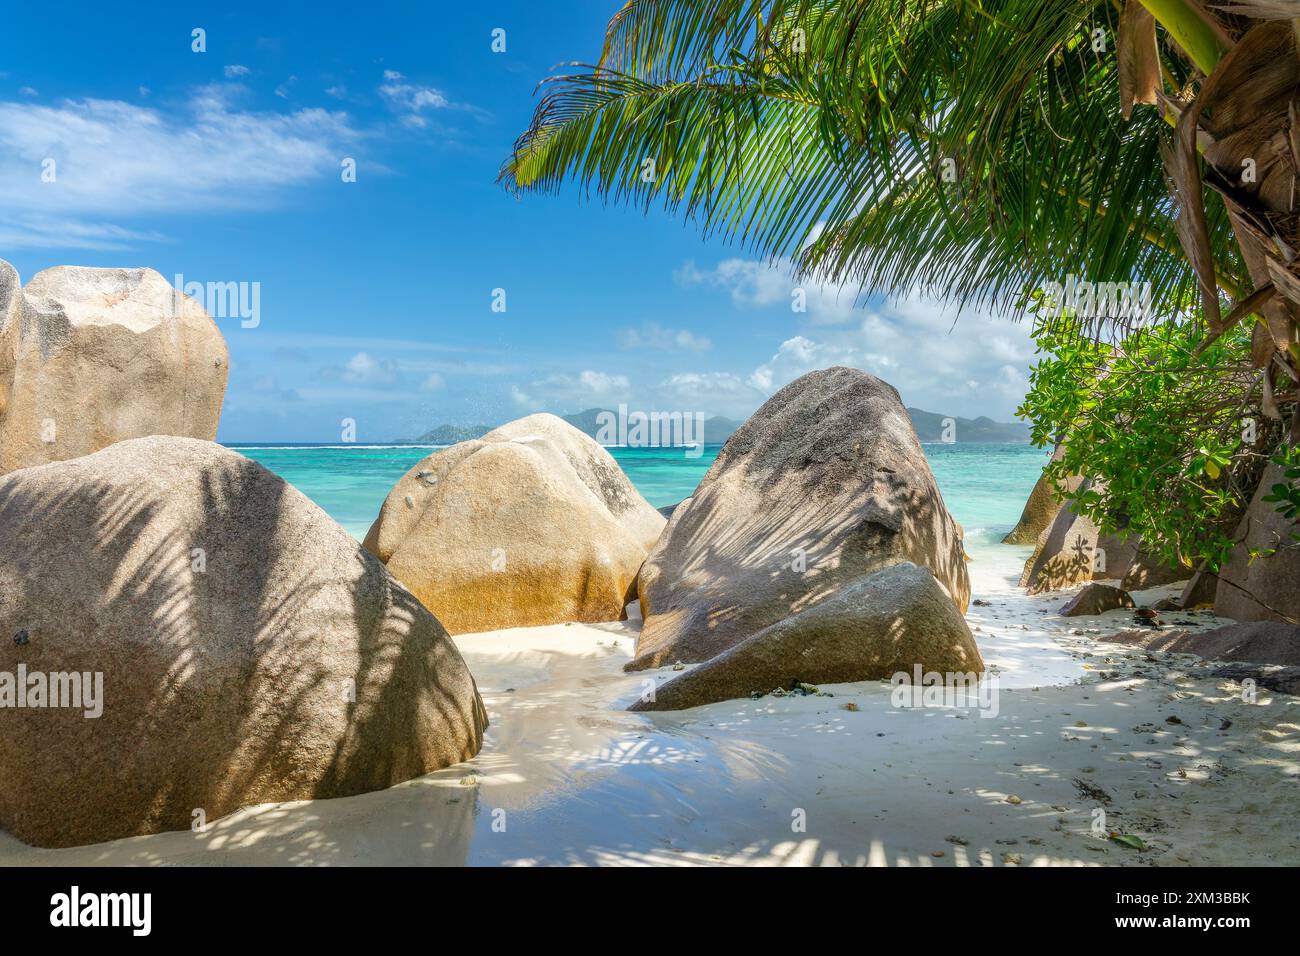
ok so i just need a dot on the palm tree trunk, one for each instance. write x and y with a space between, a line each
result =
1201 42
1248 114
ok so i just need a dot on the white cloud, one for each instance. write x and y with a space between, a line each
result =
602 383
755 284
117 158
236 70
433 383
28 91
651 335
563 389
361 369
112 156
411 100
717 390
976 366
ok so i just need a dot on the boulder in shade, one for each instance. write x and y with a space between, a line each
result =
89 357
1096 599
1044 502
1113 555
1200 590
874 627
532 524
1259 642
1124 559
1148 570
1266 587
250 651
1064 554
824 484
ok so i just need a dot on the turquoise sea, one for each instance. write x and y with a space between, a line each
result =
984 485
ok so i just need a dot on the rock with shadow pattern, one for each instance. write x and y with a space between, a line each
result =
1065 553
871 628
249 649
1199 590
1041 508
824 484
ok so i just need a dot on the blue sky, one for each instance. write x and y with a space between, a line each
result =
376 295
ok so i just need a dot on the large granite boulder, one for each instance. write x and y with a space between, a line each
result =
1260 642
824 484
1064 555
1096 599
1113 555
1264 587
1200 590
89 357
1123 558
1148 570
532 524
249 650
873 627
1041 508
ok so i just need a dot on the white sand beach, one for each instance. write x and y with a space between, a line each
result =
567 776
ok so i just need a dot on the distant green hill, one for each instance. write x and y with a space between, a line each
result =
930 426
450 434
716 429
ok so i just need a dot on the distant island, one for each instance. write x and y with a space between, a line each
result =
930 427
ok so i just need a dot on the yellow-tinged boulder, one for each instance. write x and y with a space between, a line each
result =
89 357
532 524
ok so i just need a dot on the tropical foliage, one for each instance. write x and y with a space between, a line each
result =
976 151
980 151
1172 436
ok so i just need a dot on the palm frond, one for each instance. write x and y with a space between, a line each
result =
823 132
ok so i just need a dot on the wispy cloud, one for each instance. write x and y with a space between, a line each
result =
754 283
362 369
66 167
567 390
651 335
411 101
21 231
972 362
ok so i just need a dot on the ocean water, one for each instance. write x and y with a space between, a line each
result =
983 485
